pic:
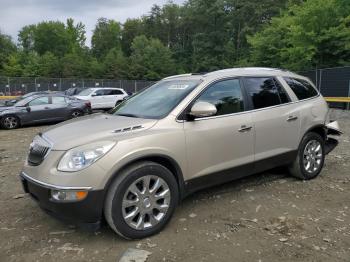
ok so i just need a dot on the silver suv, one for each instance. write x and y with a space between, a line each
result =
186 132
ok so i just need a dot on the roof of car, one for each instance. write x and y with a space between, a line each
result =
97 88
243 71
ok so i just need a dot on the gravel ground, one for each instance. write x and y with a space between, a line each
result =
265 217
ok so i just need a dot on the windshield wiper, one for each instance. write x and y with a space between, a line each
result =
128 115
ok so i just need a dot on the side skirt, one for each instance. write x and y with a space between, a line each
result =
231 174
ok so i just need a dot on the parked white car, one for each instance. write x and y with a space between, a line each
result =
103 98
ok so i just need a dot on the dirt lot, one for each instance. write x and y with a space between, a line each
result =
266 217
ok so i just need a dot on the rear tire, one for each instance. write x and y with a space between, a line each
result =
310 159
141 200
10 122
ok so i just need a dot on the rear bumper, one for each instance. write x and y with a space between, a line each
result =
86 213
334 130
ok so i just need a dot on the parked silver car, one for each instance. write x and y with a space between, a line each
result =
42 108
182 134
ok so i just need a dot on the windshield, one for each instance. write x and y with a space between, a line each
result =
23 101
156 101
85 92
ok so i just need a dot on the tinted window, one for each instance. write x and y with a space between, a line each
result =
262 91
101 92
39 101
282 93
116 92
226 96
58 100
301 88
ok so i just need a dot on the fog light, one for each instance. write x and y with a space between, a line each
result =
68 195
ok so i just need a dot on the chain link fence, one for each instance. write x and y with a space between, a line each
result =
332 82
12 86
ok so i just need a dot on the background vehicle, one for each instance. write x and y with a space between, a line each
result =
180 135
14 101
42 108
103 98
73 91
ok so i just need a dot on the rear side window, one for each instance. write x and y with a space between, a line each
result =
58 100
301 88
225 95
116 92
262 91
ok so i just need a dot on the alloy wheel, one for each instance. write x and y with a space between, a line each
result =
10 122
146 202
312 158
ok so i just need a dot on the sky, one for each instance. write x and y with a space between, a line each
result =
14 14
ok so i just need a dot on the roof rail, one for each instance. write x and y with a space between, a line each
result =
175 76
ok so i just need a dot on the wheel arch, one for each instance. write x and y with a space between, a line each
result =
318 129
163 160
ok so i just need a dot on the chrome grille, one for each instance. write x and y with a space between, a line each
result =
38 150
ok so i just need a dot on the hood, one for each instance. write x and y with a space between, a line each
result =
94 127
11 108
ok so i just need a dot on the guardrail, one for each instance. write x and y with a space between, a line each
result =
338 99
8 97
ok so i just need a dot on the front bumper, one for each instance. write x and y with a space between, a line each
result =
87 212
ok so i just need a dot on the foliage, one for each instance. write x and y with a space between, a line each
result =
315 33
198 36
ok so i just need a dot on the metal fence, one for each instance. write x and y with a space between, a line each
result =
332 82
23 85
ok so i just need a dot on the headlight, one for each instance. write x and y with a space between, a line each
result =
81 157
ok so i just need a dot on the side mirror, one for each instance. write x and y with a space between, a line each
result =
203 109
28 109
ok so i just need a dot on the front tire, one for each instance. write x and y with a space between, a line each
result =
10 122
141 200
310 159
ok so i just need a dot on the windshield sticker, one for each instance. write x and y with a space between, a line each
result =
178 86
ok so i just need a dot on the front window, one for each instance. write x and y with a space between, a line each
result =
156 101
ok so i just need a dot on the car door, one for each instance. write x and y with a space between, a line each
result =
39 110
98 99
276 121
223 141
58 108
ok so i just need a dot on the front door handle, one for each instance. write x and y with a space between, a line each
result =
292 118
245 128
46 107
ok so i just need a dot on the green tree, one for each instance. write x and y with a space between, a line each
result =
51 37
49 65
7 47
115 64
315 33
106 35
150 59
76 35
131 29
26 38
13 67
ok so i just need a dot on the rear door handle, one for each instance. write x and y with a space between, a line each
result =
245 128
46 107
292 118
